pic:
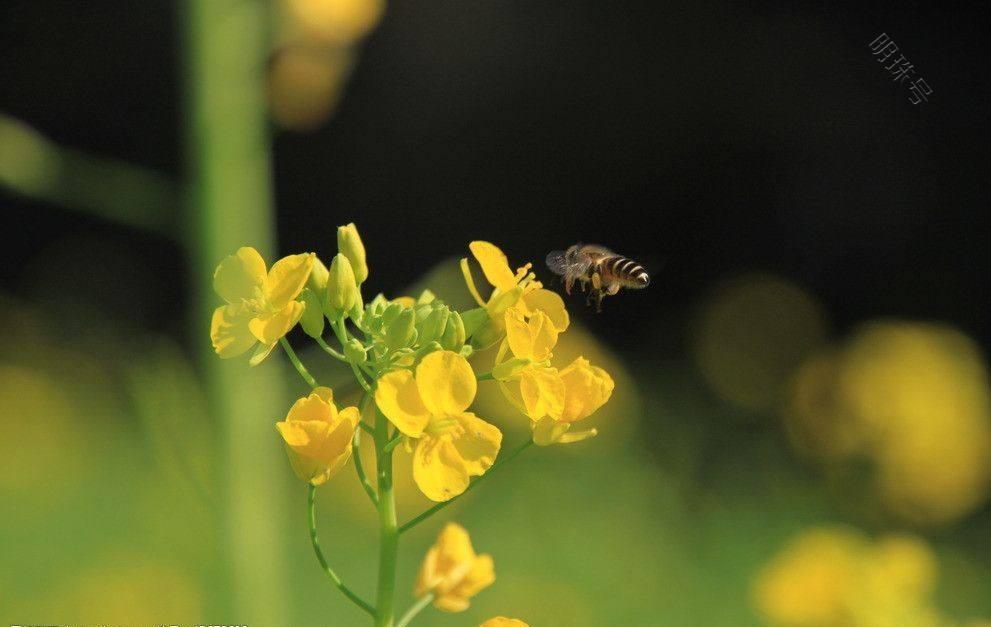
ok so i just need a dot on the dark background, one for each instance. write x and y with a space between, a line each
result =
701 138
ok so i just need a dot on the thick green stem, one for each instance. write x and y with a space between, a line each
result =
439 506
229 204
417 607
300 368
388 531
312 511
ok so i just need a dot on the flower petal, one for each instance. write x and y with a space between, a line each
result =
312 407
478 445
302 439
588 388
494 264
530 339
399 399
269 329
543 392
438 469
238 275
551 304
481 575
229 331
287 278
446 383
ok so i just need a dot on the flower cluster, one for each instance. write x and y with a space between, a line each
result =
411 357
837 577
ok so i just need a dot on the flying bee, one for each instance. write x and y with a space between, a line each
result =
600 271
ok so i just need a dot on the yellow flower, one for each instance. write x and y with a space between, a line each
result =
502 621
452 444
317 436
452 571
553 399
835 576
519 289
261 307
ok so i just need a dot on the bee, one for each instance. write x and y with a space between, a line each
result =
598 267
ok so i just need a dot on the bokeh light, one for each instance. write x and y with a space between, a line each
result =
751 333
911 398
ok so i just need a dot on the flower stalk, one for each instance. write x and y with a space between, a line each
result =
388 530
315 541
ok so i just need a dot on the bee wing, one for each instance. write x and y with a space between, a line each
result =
557 262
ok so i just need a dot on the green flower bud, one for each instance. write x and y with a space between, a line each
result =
390 313
349 244
342 292
426 297
453 337
355 351
431 327
318 277
312 320
473 320
401 332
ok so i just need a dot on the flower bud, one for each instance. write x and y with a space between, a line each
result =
431 327
401 332
342 291
349 244
318 277
453 337
312 320
355 351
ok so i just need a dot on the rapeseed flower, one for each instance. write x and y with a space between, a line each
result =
510 289
318 436
452 571
502 621
553 399
451 444
261 307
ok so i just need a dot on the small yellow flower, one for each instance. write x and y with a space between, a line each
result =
452 444
317 436
553 399
452 571
519 289
502 621
261 307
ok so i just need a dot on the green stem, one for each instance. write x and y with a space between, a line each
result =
228 203
415 609
388 532
356 455
393 443
487 376
439 506
300 368
342 336
330 350
311 507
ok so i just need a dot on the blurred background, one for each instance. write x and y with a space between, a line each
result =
801 429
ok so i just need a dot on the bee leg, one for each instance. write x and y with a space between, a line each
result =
599 295
568 284
613 289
